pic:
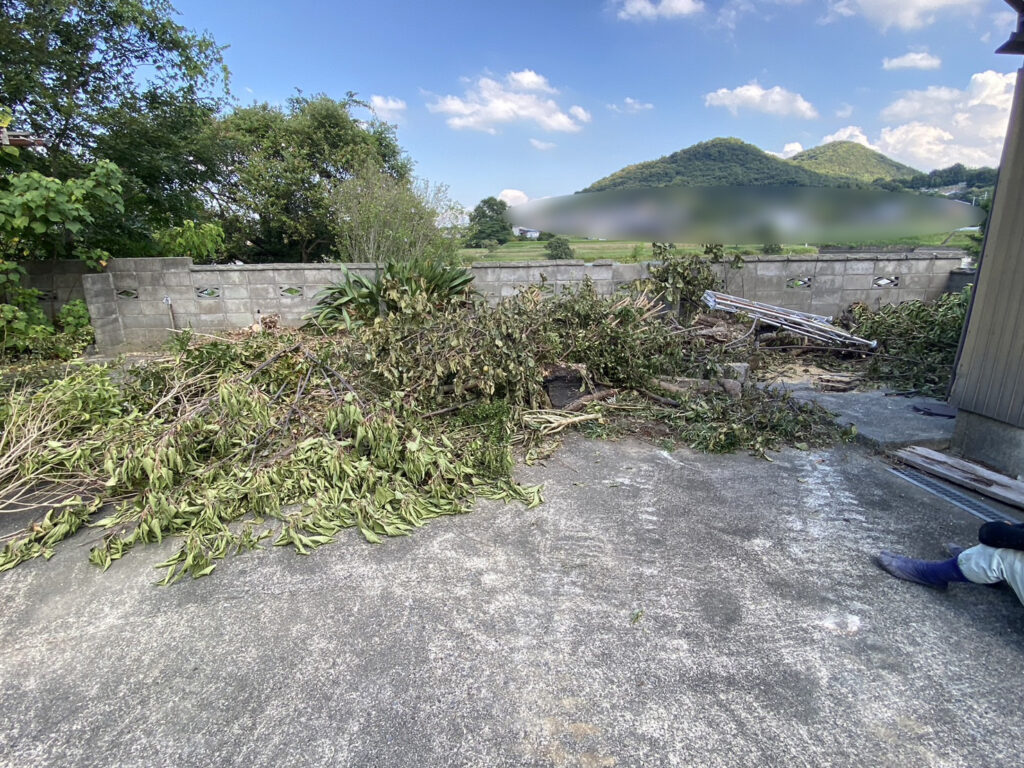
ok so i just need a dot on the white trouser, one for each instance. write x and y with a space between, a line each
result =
988 565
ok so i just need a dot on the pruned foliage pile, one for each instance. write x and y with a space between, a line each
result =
917 341
292 436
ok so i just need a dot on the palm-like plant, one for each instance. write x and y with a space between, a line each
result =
358 299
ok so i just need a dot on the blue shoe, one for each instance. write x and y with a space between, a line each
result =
928 574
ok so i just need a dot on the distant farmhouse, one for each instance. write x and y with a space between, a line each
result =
529 234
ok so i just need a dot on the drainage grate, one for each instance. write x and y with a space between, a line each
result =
953 496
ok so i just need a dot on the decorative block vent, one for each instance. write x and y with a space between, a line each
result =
799 282
209 292
886 281
291 291
128 293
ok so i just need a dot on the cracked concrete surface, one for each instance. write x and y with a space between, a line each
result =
659 609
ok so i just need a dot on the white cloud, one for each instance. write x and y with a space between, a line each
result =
580 113
792 148
935 100
852 133
1005 20
844 111
514 196
633 10
913 60
542 145
488 103
988 94
771 101
732 11
528 80
939 126
905 14
387 107
922 146
788 150
630 106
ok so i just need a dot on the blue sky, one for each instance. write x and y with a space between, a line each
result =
542 98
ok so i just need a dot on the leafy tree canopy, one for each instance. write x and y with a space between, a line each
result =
282 167
488 222
69 63
117 81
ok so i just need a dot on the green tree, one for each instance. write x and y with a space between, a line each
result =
488 222
378 218
171 161
282 167
558 248
69 64
114 80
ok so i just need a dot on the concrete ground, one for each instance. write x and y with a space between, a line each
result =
659 609
884 420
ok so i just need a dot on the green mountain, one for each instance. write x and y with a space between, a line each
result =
719 162
849 160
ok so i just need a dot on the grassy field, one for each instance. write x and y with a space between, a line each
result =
630 251
591 250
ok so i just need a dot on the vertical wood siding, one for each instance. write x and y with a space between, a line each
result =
990 374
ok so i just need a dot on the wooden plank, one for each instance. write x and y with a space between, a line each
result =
965 473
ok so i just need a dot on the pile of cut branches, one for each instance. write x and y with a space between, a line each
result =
291 436
917 341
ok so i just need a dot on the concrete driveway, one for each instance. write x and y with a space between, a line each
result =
659 609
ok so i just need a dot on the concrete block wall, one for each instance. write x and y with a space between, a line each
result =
135 301
827 283
59 282
499 280
139 300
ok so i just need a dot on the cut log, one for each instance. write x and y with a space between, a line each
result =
965 473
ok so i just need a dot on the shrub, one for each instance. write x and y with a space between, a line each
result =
22 322
917 341
683 277
25 330
73 316
379 219
358 299
558 248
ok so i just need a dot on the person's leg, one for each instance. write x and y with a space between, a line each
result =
989 565
936 574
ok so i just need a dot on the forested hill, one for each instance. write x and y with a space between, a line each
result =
847 159
719 162
731 162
